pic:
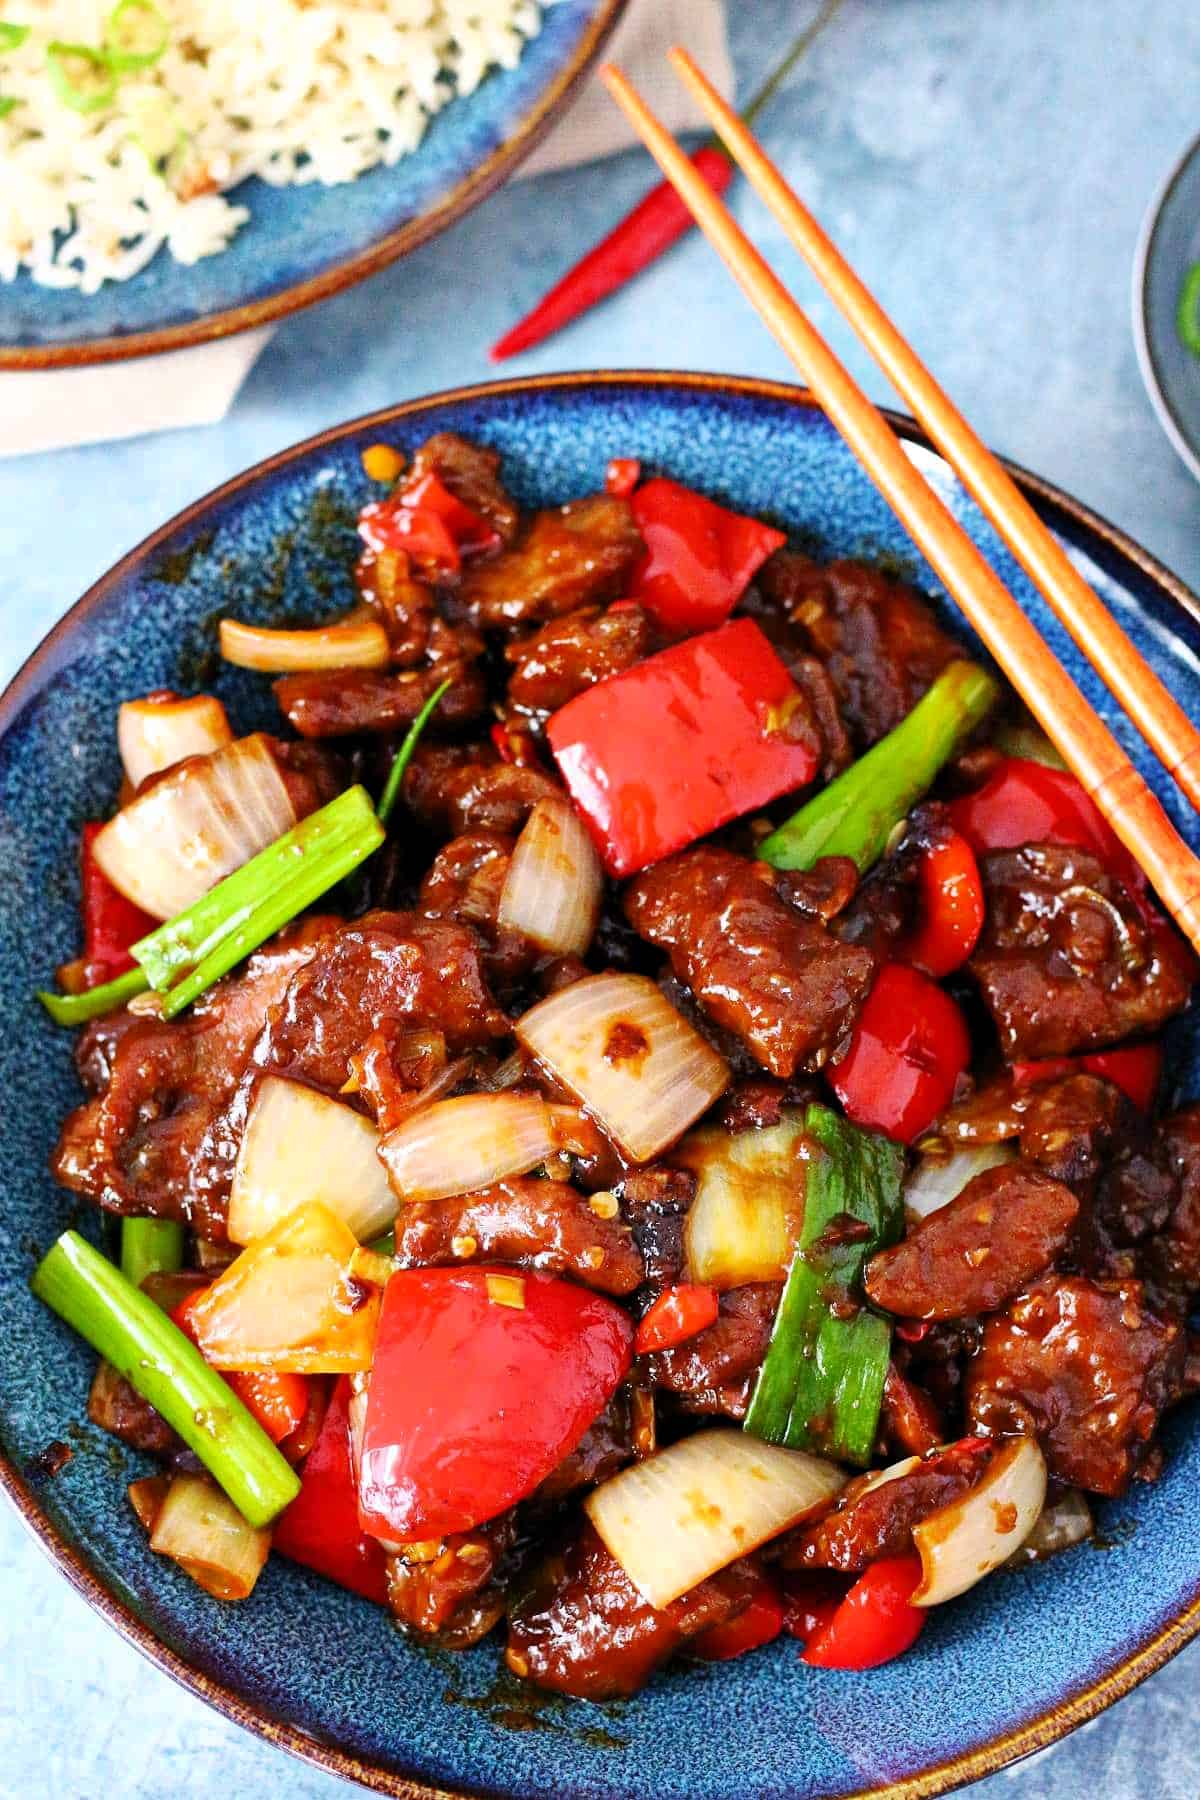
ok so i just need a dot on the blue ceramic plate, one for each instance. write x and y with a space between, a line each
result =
1169 245
302 244
1015 1665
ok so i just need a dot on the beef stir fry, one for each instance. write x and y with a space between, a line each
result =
634 1119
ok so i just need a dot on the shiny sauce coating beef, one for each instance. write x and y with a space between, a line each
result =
1050 1298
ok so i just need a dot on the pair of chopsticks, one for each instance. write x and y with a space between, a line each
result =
1085 742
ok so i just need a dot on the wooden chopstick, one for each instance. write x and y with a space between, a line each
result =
1049 692
1143 695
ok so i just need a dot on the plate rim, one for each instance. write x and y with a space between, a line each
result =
462 198
1185 445
1050 1726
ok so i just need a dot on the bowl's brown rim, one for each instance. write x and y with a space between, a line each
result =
385 250
1034 1734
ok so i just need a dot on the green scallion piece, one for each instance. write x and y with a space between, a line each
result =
857 813
391 792
1187 313
83 79
135 35
821 1383
140 1341
266 893
150 1247
77 1009
12 36
7 102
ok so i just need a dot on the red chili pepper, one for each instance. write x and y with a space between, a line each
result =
622 476
760 1623
1135 1068
951 909
906 1053
320 1528
428 493
875 1622
913 1330
699 558
111 923
473 1401
678 1314
640 239
716 709
278 1400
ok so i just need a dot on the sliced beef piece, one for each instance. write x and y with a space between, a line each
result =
534 1224
117 1407
445 1592
382 968
581 1627
573 653
1083 1366
759 1103
910 1421
1171 1260
1067 960
569 557
464 882
656 1201
790 643
1071 1127
149 1141
341 702
457 788
472 473
1006 1227
408 609
604 1448
714 1371
875 1518
880 642
762 968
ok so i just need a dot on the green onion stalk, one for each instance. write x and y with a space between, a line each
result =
856 814
403 757
150 1247
820 1387
155 1357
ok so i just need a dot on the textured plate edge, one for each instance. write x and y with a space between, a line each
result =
1187 449
1036 1734
462 199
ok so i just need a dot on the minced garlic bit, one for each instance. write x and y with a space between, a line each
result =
381 463
465 1245
605 1205
506 1290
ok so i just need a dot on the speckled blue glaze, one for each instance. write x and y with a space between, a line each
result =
295 234
322 1661
1170 245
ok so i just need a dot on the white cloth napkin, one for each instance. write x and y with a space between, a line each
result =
53 409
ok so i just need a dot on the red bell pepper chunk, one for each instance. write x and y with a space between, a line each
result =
875 1622
760 1623
111 923
320 1528
1135 1068
278 1400
622 476
421 534
473 1401
809 1604
472 533
951 909
681 744
699 556
678 1314
1025 802
906 1053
